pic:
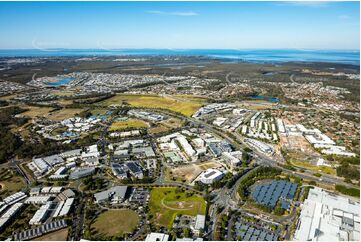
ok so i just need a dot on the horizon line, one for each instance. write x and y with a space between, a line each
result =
183 49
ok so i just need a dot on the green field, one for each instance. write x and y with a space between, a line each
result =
116 222
183 105
166 203
128 124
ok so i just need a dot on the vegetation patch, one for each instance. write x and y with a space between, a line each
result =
354 192
166 203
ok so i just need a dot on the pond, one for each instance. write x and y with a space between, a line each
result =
270 99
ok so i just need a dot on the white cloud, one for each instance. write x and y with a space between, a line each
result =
188 13
312 4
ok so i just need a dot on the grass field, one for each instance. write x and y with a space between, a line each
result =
181 105
166 125
10 182
60 235
64 113
37 111
116 222
128 124
166 203
308 166
98 111
63 93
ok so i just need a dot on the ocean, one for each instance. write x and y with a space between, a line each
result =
263 56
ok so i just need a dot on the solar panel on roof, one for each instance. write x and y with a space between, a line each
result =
262 193
287 186
285 205
284 193
247 236
269 237
255 193
253 238
262 235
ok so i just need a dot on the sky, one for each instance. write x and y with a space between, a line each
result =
180 25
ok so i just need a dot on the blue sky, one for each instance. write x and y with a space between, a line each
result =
180 25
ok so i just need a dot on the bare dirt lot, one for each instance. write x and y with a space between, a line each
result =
191 171
60 235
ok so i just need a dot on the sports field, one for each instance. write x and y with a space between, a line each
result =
166 203
116 222
128 124
183 105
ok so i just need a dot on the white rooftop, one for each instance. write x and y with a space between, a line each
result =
157 237
328 217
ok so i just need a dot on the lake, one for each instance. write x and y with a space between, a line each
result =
61 82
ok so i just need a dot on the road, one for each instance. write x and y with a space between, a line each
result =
78 220
227 78
15 164
291 78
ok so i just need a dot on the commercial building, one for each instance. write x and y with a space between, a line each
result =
232 159
9 214
261 146
37 199
71 153
209 176
39 231
66 207
39 166
41 214
143 152
186 146
134 169
118 171
280 125
114 195
269 194
328 217
82 172
157 237
53 160
199 223
146 115
16 197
